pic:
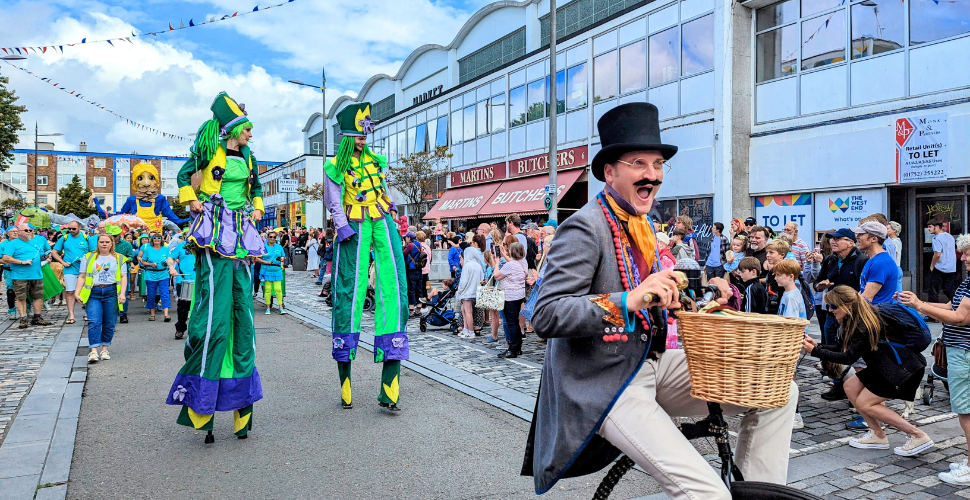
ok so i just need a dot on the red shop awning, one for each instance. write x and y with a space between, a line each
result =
525 195
463 202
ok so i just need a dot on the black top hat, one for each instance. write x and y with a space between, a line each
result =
625 128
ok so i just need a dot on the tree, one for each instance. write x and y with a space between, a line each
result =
73 199
14 204
416 175
10 123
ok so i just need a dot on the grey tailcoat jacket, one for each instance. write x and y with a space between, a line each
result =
582 375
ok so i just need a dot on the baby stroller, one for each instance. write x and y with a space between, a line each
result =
369 298
440 313
937 372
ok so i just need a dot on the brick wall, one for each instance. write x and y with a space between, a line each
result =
106 172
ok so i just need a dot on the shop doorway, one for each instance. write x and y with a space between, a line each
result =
948 203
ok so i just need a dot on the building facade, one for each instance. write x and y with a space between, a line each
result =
814 111
291 209
107 175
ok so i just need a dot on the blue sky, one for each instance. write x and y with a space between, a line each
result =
168 81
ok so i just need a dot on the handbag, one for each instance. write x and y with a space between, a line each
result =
489 296
939 359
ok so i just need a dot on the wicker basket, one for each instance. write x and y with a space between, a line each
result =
741 359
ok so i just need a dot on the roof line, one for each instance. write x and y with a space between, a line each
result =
460 37
117 155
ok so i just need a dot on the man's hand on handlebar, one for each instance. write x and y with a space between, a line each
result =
661 286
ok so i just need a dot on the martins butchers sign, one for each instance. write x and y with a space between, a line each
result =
478 175
539 164
921 148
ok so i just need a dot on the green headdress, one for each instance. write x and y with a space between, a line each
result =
355 120
227 116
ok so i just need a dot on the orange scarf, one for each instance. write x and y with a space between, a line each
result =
640 232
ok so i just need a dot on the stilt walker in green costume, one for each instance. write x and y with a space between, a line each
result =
220 369
364 216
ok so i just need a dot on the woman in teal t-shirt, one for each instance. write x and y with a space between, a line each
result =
154 260
271 272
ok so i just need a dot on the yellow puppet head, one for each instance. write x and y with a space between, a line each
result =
145 182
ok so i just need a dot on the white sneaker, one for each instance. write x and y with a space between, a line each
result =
914 446
869 441
957 465
466 334
798 423
93 357
104 355
959 476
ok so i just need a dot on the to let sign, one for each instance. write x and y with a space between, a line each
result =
478 175
921 148
539 164
288 185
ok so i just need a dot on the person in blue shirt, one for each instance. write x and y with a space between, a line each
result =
879 276
184 261
454 255
24 261
271 272
154 259
69 251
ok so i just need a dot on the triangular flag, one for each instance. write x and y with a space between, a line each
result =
84 40
5 51
109 43
170 28
234 14
181 25
129 41
255 8
45 50
18 50
191 23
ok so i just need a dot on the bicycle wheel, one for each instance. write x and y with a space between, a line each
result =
753 490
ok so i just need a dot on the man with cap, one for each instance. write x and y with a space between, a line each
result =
842 267
600 394
364 217
220 352
749 223
877 282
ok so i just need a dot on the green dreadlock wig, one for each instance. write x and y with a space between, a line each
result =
228 121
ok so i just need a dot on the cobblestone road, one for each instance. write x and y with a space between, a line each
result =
821 460
22 353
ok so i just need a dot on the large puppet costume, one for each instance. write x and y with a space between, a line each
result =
147 203
220 370
363 215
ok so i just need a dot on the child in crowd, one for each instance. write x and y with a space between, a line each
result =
775 252
754 297
454 255
680 249
732 258
791 304
667 260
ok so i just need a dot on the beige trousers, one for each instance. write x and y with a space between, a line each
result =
639 425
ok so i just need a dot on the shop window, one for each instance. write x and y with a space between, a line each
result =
604 77
877 26
481 111
431 134
538 96
777 53
457 127
576 87
664 64
402 146
697 45
777 15
934 20
441 137
412 139
823 40
421 138
633 67
497 110
517 109
469 123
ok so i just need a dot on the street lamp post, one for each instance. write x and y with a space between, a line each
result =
323 132
553 114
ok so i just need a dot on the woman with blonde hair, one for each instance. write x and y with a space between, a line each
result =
891 373
102 287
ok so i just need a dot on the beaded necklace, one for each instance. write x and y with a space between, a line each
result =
629 273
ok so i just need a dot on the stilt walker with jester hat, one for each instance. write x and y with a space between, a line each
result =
220 373
364 217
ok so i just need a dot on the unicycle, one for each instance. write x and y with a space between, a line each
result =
713 426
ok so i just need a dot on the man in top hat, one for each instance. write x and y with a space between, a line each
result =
364 217
609 386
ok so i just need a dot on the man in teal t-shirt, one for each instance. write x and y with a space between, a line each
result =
24 261
185 263
69 250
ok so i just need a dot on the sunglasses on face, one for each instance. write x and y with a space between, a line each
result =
28 230
831 307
